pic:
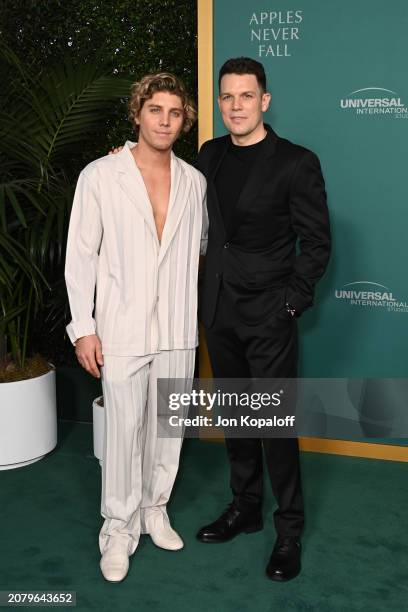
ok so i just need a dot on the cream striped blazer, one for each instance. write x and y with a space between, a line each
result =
146 292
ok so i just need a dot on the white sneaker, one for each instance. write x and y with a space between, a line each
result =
114 563
158 527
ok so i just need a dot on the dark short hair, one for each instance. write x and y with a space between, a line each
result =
244 65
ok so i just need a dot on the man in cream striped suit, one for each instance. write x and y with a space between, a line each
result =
135 230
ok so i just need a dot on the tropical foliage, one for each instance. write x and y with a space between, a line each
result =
135 36
45 117
61 106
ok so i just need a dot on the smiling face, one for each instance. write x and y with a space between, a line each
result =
161 120
242 103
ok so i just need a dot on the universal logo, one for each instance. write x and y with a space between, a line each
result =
375 101
366 294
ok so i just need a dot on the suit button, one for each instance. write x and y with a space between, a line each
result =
226 245
217 275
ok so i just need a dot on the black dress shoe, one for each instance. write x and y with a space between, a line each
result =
231 523
284 563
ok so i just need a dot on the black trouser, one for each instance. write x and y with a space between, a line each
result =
268 350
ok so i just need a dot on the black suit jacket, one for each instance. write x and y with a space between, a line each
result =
277 244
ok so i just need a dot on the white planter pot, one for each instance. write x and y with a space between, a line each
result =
98 413
28 420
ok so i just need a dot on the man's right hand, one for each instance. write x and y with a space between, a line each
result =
88 350
115 150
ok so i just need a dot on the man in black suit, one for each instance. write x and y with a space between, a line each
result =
265 197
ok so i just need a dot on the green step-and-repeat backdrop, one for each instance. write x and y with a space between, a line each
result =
337 72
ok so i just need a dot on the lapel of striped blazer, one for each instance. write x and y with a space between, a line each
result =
132 183
179 194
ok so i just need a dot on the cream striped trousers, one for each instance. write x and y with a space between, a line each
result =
138 468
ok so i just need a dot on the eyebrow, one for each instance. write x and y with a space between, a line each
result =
152 104
227 93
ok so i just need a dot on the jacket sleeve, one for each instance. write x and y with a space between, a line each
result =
310 222
201 163
84 239
204 227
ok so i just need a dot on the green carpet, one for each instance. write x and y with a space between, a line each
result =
355 548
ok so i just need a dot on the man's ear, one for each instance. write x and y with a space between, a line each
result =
266 100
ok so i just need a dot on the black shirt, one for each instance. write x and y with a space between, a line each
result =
232 175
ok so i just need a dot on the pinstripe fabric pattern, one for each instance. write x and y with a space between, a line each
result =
146 292
138 468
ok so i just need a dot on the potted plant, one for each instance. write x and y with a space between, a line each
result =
28 424
44 120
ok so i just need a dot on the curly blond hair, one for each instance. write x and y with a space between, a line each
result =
162 81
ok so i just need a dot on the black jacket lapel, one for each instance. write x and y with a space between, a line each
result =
212 191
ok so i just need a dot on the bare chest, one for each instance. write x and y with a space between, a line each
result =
158 190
